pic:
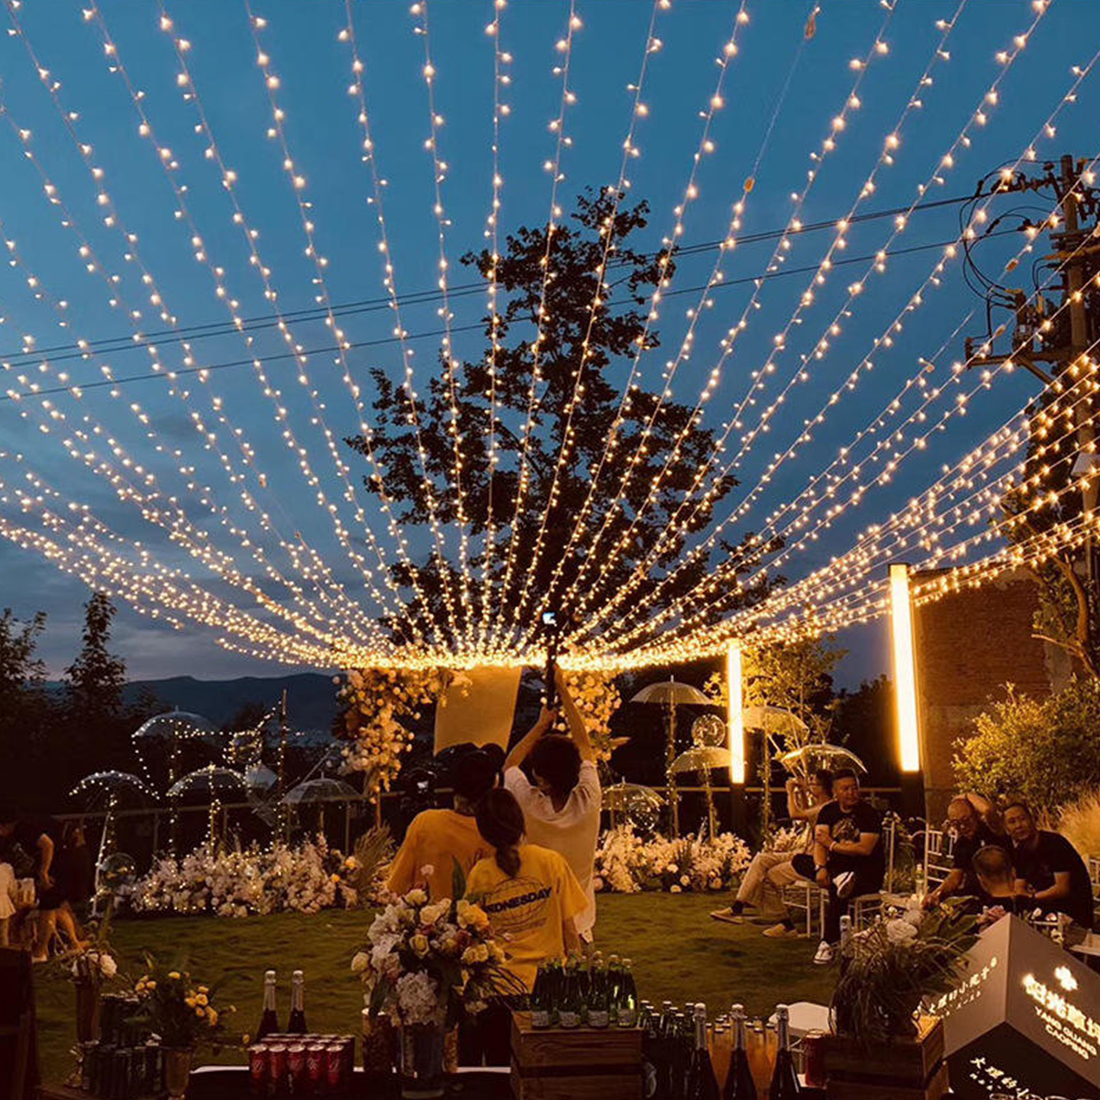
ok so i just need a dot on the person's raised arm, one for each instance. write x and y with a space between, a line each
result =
577 729
986 811
523 747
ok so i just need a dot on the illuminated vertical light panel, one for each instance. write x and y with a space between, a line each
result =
905 680
735 718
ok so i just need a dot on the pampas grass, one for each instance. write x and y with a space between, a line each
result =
1079 823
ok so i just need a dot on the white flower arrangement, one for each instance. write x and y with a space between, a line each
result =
627 863
304 879
374 701
427 962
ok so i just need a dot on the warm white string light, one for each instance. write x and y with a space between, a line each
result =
885 340
704 147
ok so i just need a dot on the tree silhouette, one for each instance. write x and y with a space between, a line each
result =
96 678
559 279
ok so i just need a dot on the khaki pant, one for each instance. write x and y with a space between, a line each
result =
762 885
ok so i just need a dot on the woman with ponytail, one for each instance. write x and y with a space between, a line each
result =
529 893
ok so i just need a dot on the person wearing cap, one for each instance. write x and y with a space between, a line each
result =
438 840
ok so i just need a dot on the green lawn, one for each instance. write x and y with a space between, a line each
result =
679 954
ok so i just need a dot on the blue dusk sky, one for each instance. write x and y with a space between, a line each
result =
782 91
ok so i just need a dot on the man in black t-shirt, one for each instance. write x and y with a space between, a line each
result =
974 824
847 857
1048 869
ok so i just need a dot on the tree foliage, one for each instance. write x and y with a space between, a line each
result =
556 280
1067 613
1044 750
96 678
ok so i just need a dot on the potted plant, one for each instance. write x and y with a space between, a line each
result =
184 1015
424 965
886 973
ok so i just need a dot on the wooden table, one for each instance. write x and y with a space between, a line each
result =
231 1083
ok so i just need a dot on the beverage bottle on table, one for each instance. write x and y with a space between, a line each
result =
785 1084
626 998
701 1081
269 1021
739 1082
296 1025
599 998
571 1003
541 1001
681 1055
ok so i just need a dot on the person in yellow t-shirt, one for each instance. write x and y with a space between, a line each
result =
437 839
529 893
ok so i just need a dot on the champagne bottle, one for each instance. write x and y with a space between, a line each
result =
269 1021
599 999
739 1082
785 1084
572 1001
681 1055
702 1084
626 998
541 1001
296 1025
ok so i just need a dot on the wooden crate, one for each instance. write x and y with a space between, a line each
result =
577 1064
906 1069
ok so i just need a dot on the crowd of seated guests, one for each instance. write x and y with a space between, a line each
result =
1008 864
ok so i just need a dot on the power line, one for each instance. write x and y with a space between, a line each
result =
111 345
100 383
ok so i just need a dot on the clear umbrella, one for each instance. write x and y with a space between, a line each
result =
321 790
634 803
107 787
215 784
821 756
671 693
703 758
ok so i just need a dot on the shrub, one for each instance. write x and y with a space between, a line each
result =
1079 823
1045 750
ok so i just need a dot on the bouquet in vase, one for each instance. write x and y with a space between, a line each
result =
427 963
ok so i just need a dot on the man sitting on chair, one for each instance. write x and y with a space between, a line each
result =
847 857
975 824
763 881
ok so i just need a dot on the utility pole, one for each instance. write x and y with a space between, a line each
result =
1039 339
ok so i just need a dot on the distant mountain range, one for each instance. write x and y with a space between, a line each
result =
311 697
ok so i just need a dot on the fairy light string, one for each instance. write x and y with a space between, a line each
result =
307 220
451 365
705 146
112 219
884 341
553 166
877 49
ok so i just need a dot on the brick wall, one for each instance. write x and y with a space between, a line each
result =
968 646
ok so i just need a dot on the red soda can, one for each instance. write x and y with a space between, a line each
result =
813 1058
347 1042
276 1054
257 1069
296 1068
334 1067
315 1068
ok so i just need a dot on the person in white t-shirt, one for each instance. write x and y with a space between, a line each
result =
562 806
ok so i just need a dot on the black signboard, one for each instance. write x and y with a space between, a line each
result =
1026 1019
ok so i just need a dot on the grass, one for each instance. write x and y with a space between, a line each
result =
679 955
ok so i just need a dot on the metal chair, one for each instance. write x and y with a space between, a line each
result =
938 861
808 897
864 908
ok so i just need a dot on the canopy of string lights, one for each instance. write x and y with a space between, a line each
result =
311 344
